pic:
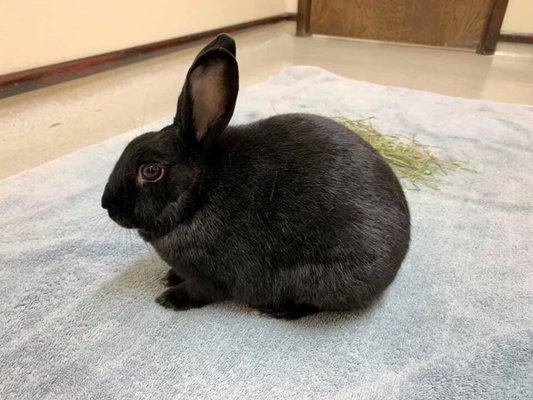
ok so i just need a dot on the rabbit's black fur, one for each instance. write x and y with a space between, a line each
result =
291 215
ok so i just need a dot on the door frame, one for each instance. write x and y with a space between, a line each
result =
303 18
493 26
487 46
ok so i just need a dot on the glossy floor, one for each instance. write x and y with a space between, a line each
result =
39 126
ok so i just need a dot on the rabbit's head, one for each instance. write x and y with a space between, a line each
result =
158 174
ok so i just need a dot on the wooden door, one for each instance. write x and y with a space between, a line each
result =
451 23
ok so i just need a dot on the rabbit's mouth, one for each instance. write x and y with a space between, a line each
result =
121 220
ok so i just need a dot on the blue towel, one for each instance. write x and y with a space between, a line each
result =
78 318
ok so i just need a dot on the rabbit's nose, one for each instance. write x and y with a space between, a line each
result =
106 198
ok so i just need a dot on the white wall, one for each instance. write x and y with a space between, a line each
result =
519 16
292 5
34 33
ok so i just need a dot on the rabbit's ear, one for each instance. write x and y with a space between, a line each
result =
223 41
209 94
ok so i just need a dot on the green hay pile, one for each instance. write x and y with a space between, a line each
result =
412 161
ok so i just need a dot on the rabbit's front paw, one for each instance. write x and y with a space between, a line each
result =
179 298
171 278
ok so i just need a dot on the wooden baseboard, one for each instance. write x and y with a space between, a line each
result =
516 37
36 78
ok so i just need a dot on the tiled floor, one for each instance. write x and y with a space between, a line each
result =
39 126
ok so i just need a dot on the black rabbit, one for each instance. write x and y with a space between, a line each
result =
291 215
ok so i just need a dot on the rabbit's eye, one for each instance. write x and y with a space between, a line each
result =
151 172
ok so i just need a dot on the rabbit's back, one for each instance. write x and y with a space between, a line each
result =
303 175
